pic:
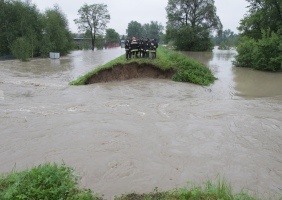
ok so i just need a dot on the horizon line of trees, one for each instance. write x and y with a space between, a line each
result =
225 40
27 33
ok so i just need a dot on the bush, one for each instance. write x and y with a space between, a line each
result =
246 53
268 53
264 54
21 49
43 182
193 40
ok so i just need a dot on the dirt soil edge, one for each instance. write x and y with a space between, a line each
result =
120 72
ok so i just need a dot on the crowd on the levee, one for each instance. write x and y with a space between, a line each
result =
142 48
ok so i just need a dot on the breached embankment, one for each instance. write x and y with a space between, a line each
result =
168 64
120 72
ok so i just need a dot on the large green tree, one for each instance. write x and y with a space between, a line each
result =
93 20
262 15
56 34
153 30
25 32
19 20
112 36
134 29
190 23
260 41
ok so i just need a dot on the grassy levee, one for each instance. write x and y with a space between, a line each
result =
187 69
53 181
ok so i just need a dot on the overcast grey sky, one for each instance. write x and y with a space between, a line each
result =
123 11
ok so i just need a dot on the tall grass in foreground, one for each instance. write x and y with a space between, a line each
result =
187 69
46 182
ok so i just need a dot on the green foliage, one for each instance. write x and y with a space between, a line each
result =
21 49
261 36
100 42
134 29
19 20
225 39
111 36
264 54
148 30
56 37
43 182
189 39
190 23
206 191
93 20
153 30
44 32
187 70
262 15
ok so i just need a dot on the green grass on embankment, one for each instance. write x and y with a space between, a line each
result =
46 181
59 182
187 69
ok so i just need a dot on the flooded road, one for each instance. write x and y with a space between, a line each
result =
144 133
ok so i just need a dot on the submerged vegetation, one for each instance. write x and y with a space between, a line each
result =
60 182
187 70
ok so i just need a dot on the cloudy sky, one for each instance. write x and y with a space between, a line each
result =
123 11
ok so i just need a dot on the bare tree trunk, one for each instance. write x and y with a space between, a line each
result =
93 42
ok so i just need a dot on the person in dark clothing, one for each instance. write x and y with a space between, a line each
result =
141 48
146 47
127 49
134 47
153 48
156 45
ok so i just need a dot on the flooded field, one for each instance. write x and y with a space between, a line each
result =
143 133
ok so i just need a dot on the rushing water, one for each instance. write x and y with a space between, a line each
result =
139 134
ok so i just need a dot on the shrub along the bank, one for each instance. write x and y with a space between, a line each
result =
187 69
264 54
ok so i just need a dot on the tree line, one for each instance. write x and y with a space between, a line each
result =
26 32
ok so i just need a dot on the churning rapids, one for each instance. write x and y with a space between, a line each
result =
139 134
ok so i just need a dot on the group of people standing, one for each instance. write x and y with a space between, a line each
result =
143 48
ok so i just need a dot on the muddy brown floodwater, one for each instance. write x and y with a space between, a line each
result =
139 134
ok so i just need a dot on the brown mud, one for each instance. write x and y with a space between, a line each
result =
122 72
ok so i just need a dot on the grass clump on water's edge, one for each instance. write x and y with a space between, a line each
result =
43 182
60 182
207 191
187 69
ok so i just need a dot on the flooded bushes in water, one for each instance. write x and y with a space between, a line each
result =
59 182
264 54
186 69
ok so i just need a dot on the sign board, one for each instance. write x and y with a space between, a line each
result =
54 55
